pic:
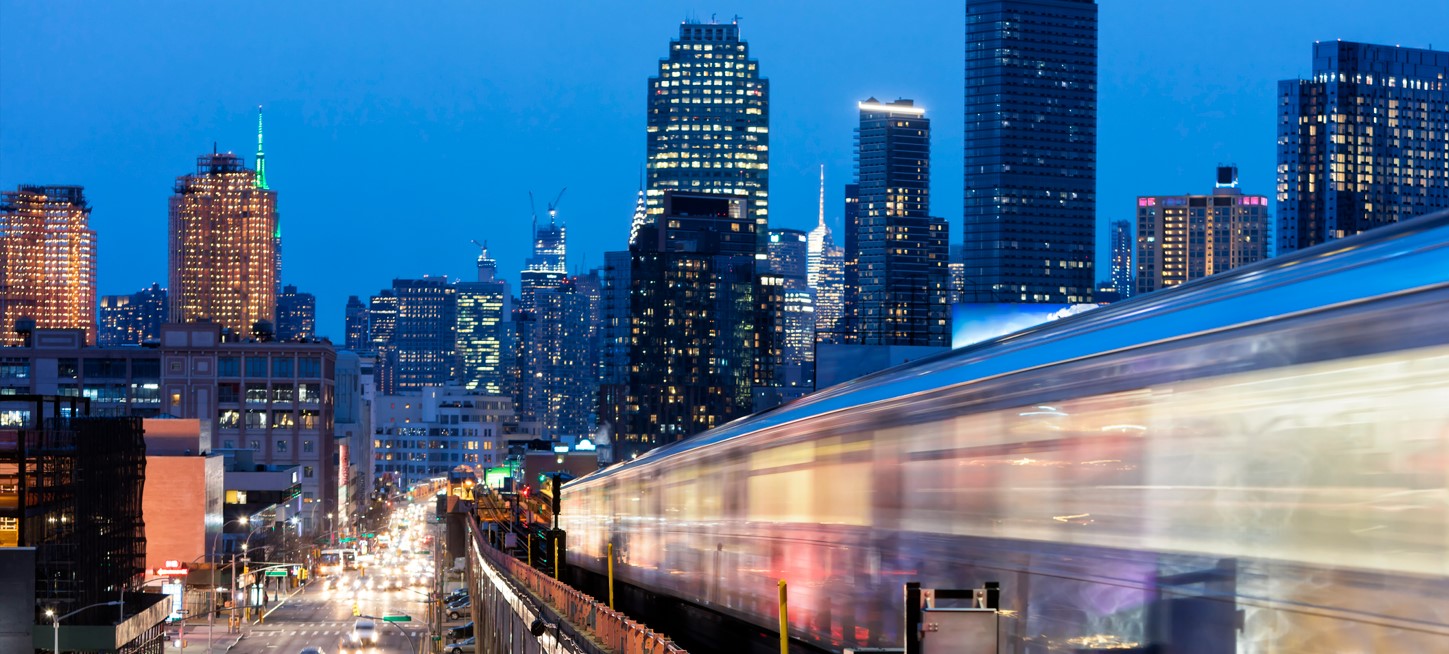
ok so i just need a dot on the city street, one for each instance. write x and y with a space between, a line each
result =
320 616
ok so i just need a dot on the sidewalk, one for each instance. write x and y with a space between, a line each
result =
194 639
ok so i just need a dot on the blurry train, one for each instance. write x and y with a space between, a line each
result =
1253 462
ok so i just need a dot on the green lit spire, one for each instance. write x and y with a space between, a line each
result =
261 156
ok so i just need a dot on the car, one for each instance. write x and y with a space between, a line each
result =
460 603
461 631
312 650
364 631
457 612
465 645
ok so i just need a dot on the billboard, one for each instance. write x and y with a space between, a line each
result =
973 323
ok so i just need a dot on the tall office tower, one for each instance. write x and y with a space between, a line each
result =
788 252
544 271
296 315
132 319
223 264
817 240
1121 281
829 292
486 266
485 346
850 266
563 363
1184 237
614 338
958 275
116 322
381 318
692 275
825 276
357 339
901 253
1361 143
421 349
546 268
1031 150
787 321
47 261
262 184
709 122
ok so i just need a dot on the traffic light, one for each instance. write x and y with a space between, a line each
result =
556 483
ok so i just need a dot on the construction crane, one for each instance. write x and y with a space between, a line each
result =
481 246
553 206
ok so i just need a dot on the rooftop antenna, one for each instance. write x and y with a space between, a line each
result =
261 157
822 195
737 19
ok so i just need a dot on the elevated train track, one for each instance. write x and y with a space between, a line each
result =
1250 462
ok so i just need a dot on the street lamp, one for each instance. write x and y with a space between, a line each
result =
211 591
394 620
55 620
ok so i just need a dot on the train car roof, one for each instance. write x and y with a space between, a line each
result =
1397 258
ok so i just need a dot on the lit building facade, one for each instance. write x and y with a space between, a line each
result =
358 337
133 319
1122 270
296 315
825 275
1185 237
691 354
485 336
785 350
422 347
709 122
1031 150
223 263
426 433
1361 143
902 252
381 319
47 260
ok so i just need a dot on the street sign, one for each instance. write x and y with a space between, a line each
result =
397 618
347 539
276 573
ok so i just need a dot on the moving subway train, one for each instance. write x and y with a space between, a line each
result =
1255 462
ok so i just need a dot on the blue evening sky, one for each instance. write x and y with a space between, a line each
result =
399 131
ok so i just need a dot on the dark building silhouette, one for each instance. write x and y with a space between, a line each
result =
1031 150
296 315
902 255
421 348
358 337
1361 142
132 319
692 275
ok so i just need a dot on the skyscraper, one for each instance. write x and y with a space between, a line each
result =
133 319
1184 237
563 362
381 319
47 261
850 266
709 121
484 333
1361 143
614 337
788 308
825 276
901 251
692 315
223 264
1031 150
544 271
1122 269
296 315
421 349
357 338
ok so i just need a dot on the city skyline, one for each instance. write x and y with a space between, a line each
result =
351 119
